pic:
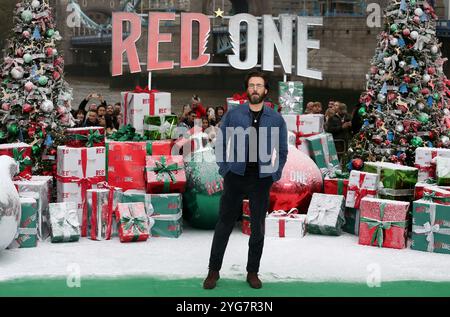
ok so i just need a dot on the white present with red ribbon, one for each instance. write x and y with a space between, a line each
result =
144 102
286 224
360 185
81 162
304 126
426 161
79 169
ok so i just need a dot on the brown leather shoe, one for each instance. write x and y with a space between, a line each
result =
211 279
253 280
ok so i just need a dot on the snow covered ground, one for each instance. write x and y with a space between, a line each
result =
312 258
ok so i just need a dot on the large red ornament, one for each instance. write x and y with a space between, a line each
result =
357 164
300 179
56 75
26 108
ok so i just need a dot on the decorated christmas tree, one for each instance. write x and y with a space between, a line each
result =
405 104
35 99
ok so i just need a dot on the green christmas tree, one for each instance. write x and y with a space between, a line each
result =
35 99
405 104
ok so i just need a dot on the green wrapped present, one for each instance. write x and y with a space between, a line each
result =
28 223
167 225
160 127
164 204
323 151
351 224
291 97
431 227
64 223
326 214
393 176
443 170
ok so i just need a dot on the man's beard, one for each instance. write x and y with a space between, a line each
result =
256 98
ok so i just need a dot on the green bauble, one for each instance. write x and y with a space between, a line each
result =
362 111
204 189
416 141
43 80
436 96
35 149
2 135
13 129
423 117
415 89
27 16
412 2
394 27
40 135
27 58
50 33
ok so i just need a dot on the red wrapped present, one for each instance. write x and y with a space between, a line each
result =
246 217
21 152
85 137
335 186
383 223
165 174
436 194
160 147
133 222
418 189
360 185
125 164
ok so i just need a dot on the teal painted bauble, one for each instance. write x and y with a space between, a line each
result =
27 58
27 16
50 32
394 27
43 80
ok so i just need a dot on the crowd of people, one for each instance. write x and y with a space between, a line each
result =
95 111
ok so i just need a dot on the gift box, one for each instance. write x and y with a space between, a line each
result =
160 127
393 176
443 170
64 223
285 224
133 222
155 203
85 137
141 102
304 125
236 101
323 151
28 224
81 162
160 147
431 227
418 189
291 97
79 169
21 153
40 188
436 194
335 186
101 205
166 225
125 164
246 223
426 161
383 223
325 214
351 224
360 185
165 174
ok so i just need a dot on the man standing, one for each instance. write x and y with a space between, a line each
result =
251 151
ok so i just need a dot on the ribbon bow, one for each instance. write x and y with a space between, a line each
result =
238 97
21 160
140 90
381 225
137 224
68 220
360 192
281 213
93 137
126 133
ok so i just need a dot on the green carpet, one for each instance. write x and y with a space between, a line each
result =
153 287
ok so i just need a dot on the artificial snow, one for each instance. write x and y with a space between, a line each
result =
312 258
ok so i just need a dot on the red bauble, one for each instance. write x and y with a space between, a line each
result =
49 51
357 163
300 179
425 91
407 79
19 52
403 141
27 108
416 20
431 135
392 96
406 32
387 142
56 75
52 152
431 70
31 132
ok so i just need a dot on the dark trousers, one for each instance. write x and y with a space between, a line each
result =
236 187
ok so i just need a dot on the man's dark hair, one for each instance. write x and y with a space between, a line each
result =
192 112
101 106
256 73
